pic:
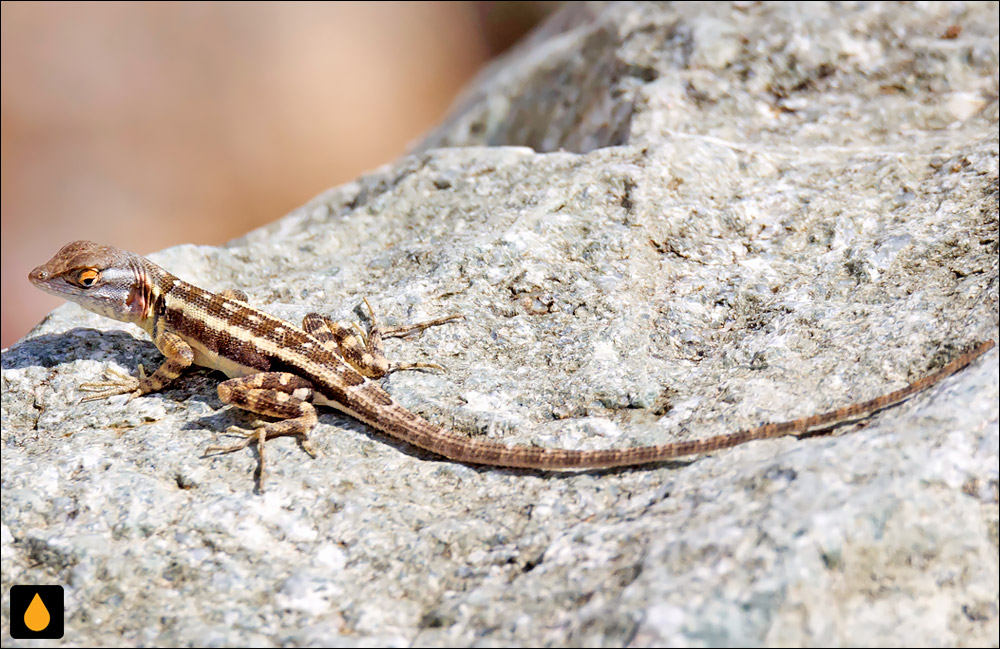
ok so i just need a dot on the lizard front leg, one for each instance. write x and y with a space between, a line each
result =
179 355
275 394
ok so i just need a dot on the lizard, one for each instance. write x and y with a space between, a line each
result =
283 371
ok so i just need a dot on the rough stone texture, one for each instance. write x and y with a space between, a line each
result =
731 214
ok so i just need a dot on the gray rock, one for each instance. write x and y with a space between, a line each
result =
727 215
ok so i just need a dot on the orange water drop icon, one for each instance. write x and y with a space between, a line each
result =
37 616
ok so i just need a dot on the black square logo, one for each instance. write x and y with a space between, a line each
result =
36 612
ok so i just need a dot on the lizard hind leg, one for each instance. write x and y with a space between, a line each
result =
275 394
364 352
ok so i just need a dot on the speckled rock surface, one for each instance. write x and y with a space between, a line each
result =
732 214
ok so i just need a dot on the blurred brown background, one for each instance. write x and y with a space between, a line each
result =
149 125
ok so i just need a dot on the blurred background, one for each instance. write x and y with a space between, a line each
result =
147 125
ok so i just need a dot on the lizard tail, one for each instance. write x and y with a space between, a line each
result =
418 431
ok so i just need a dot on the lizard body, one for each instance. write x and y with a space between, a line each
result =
281 370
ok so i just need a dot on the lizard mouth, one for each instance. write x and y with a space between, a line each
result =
47 281
40 277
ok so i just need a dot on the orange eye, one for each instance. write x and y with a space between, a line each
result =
87 277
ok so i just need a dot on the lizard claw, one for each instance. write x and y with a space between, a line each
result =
396 367
249 436
309 448
257 435
115 383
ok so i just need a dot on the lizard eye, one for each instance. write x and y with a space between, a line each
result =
87 277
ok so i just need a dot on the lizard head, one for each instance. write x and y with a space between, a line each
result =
102 279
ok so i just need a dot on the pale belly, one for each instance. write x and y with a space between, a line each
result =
211 360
